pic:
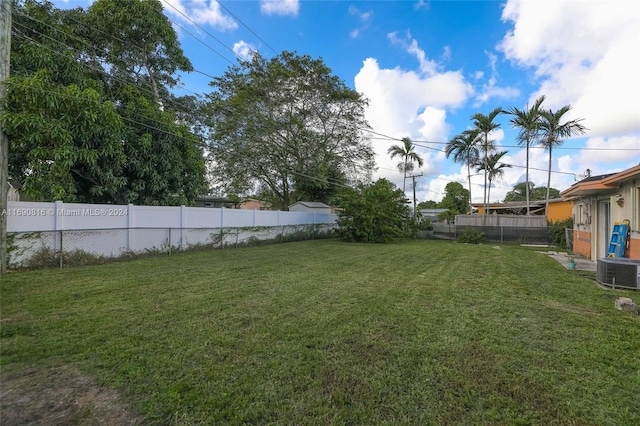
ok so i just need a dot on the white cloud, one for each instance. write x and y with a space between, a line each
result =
244 50
422 4
585 53
405 103
280 7
607 154
427 66
364 18
491 90
202 12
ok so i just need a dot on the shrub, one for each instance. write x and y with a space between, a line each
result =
471 236
557 231
374 213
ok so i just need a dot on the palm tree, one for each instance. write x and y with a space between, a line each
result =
553 133
406 151
464 148
494 169
485 125
528 120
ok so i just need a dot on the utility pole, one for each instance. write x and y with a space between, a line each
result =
5 53
413 178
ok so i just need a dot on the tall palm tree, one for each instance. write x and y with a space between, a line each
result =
494 169
485 125
553 134
528 120
464 148
409 157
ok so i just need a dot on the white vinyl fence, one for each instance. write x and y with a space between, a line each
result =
44 234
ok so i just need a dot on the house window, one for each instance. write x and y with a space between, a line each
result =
583 216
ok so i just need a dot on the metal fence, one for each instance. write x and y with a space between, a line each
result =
67 248
508 234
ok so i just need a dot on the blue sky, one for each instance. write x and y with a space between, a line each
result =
427 66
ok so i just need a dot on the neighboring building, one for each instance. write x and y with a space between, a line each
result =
559 208
310 206
599 202
432 214
215 202
253 204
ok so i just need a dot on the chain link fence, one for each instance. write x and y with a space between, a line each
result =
68 248
509 234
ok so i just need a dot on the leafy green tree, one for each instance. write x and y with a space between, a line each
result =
321 185
553 134
494 169
140 43
65 135
484 124
528 121
518 193
374 213
464 148
429 204
278 123
455 200
409 157
89 115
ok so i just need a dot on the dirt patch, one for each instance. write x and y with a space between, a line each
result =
59 395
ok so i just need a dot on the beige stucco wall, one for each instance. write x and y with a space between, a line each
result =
588 217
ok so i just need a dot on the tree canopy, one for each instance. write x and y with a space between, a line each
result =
374 213
536 193
456 199
289 127
90 116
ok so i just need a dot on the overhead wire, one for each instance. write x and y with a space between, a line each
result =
199 26
246 26
421 143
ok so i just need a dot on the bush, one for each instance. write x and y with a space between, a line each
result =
471 236
374 213
557 231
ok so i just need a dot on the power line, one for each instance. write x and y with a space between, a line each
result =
246 26
197 25
113 36
421 142
81 98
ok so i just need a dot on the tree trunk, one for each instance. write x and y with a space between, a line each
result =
470 198
5 53
484 200
546 207
527 179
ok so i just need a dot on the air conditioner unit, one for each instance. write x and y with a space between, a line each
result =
619 273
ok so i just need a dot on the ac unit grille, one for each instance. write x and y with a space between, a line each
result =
623 273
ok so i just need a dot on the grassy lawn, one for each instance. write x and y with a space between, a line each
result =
323 332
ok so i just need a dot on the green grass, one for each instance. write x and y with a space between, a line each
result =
323 332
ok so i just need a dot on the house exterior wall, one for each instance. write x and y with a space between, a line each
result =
589 219
253 205
560 211
582 243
